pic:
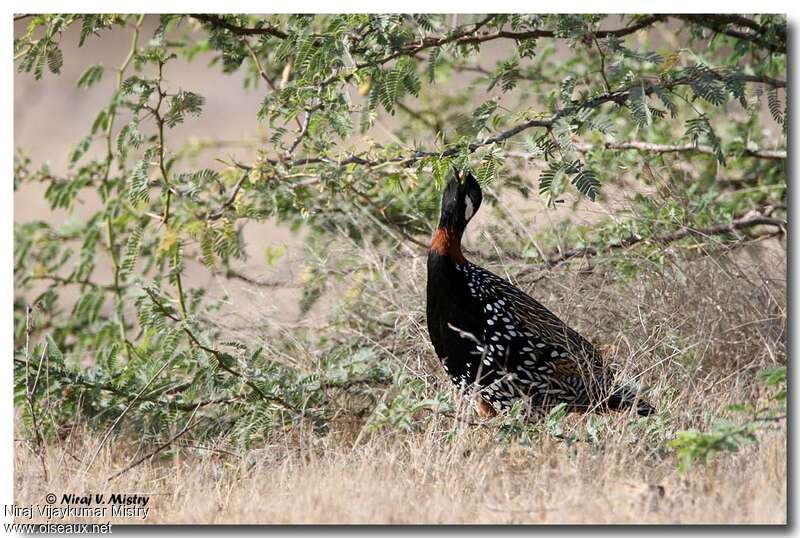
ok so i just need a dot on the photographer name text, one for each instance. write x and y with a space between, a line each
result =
90 505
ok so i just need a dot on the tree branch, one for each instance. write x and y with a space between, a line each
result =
404 161
220 357
233 274
189 425
664 239
220 211
721 24
219 22
668 148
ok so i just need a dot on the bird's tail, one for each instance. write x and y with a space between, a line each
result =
627 397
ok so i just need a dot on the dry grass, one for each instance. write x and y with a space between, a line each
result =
418 478
696 338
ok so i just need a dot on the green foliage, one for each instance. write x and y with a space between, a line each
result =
91 76
726 436
404 409
140 328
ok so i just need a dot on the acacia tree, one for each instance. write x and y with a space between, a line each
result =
621 104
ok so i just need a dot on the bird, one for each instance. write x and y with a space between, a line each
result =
498 342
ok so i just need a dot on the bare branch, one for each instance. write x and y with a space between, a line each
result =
189 425
220 211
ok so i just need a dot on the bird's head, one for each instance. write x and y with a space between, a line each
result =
460 201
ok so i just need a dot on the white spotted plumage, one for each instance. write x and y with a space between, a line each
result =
498 338
520 359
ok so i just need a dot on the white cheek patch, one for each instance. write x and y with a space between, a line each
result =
468 212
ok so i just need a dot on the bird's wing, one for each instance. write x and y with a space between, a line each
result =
581 354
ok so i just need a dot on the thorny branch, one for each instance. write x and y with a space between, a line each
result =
723 24
664 239
220 22
618 96
219 356
648 147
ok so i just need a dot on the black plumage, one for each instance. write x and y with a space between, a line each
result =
495 339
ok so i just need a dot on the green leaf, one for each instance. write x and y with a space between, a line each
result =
433 59
774 104
482 114
139 184
665 98
181 104
91 76
132 248
80 149
490 164
587 183
55 60
637 102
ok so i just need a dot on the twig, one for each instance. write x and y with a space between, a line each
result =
160 448
663 148
107 170
258 65
232 273
602 63
185 406
301 135
721 24
124 412
219 22
31 390
394 226
219 356
220 211
66 281
718 229
260 68
405 161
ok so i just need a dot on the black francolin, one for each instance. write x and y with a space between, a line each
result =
497 341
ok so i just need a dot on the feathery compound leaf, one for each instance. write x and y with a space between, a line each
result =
408 76
587 183
488 168
482 114
566 88
92 75
637 102
305 48
132 248
128 137
425 22
547 145
181 104
507 75
433 59
139 184
207 241
546 178
699 127
706 83
55 60
665 98
87 309
549 180
391 88
774 103
734 83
